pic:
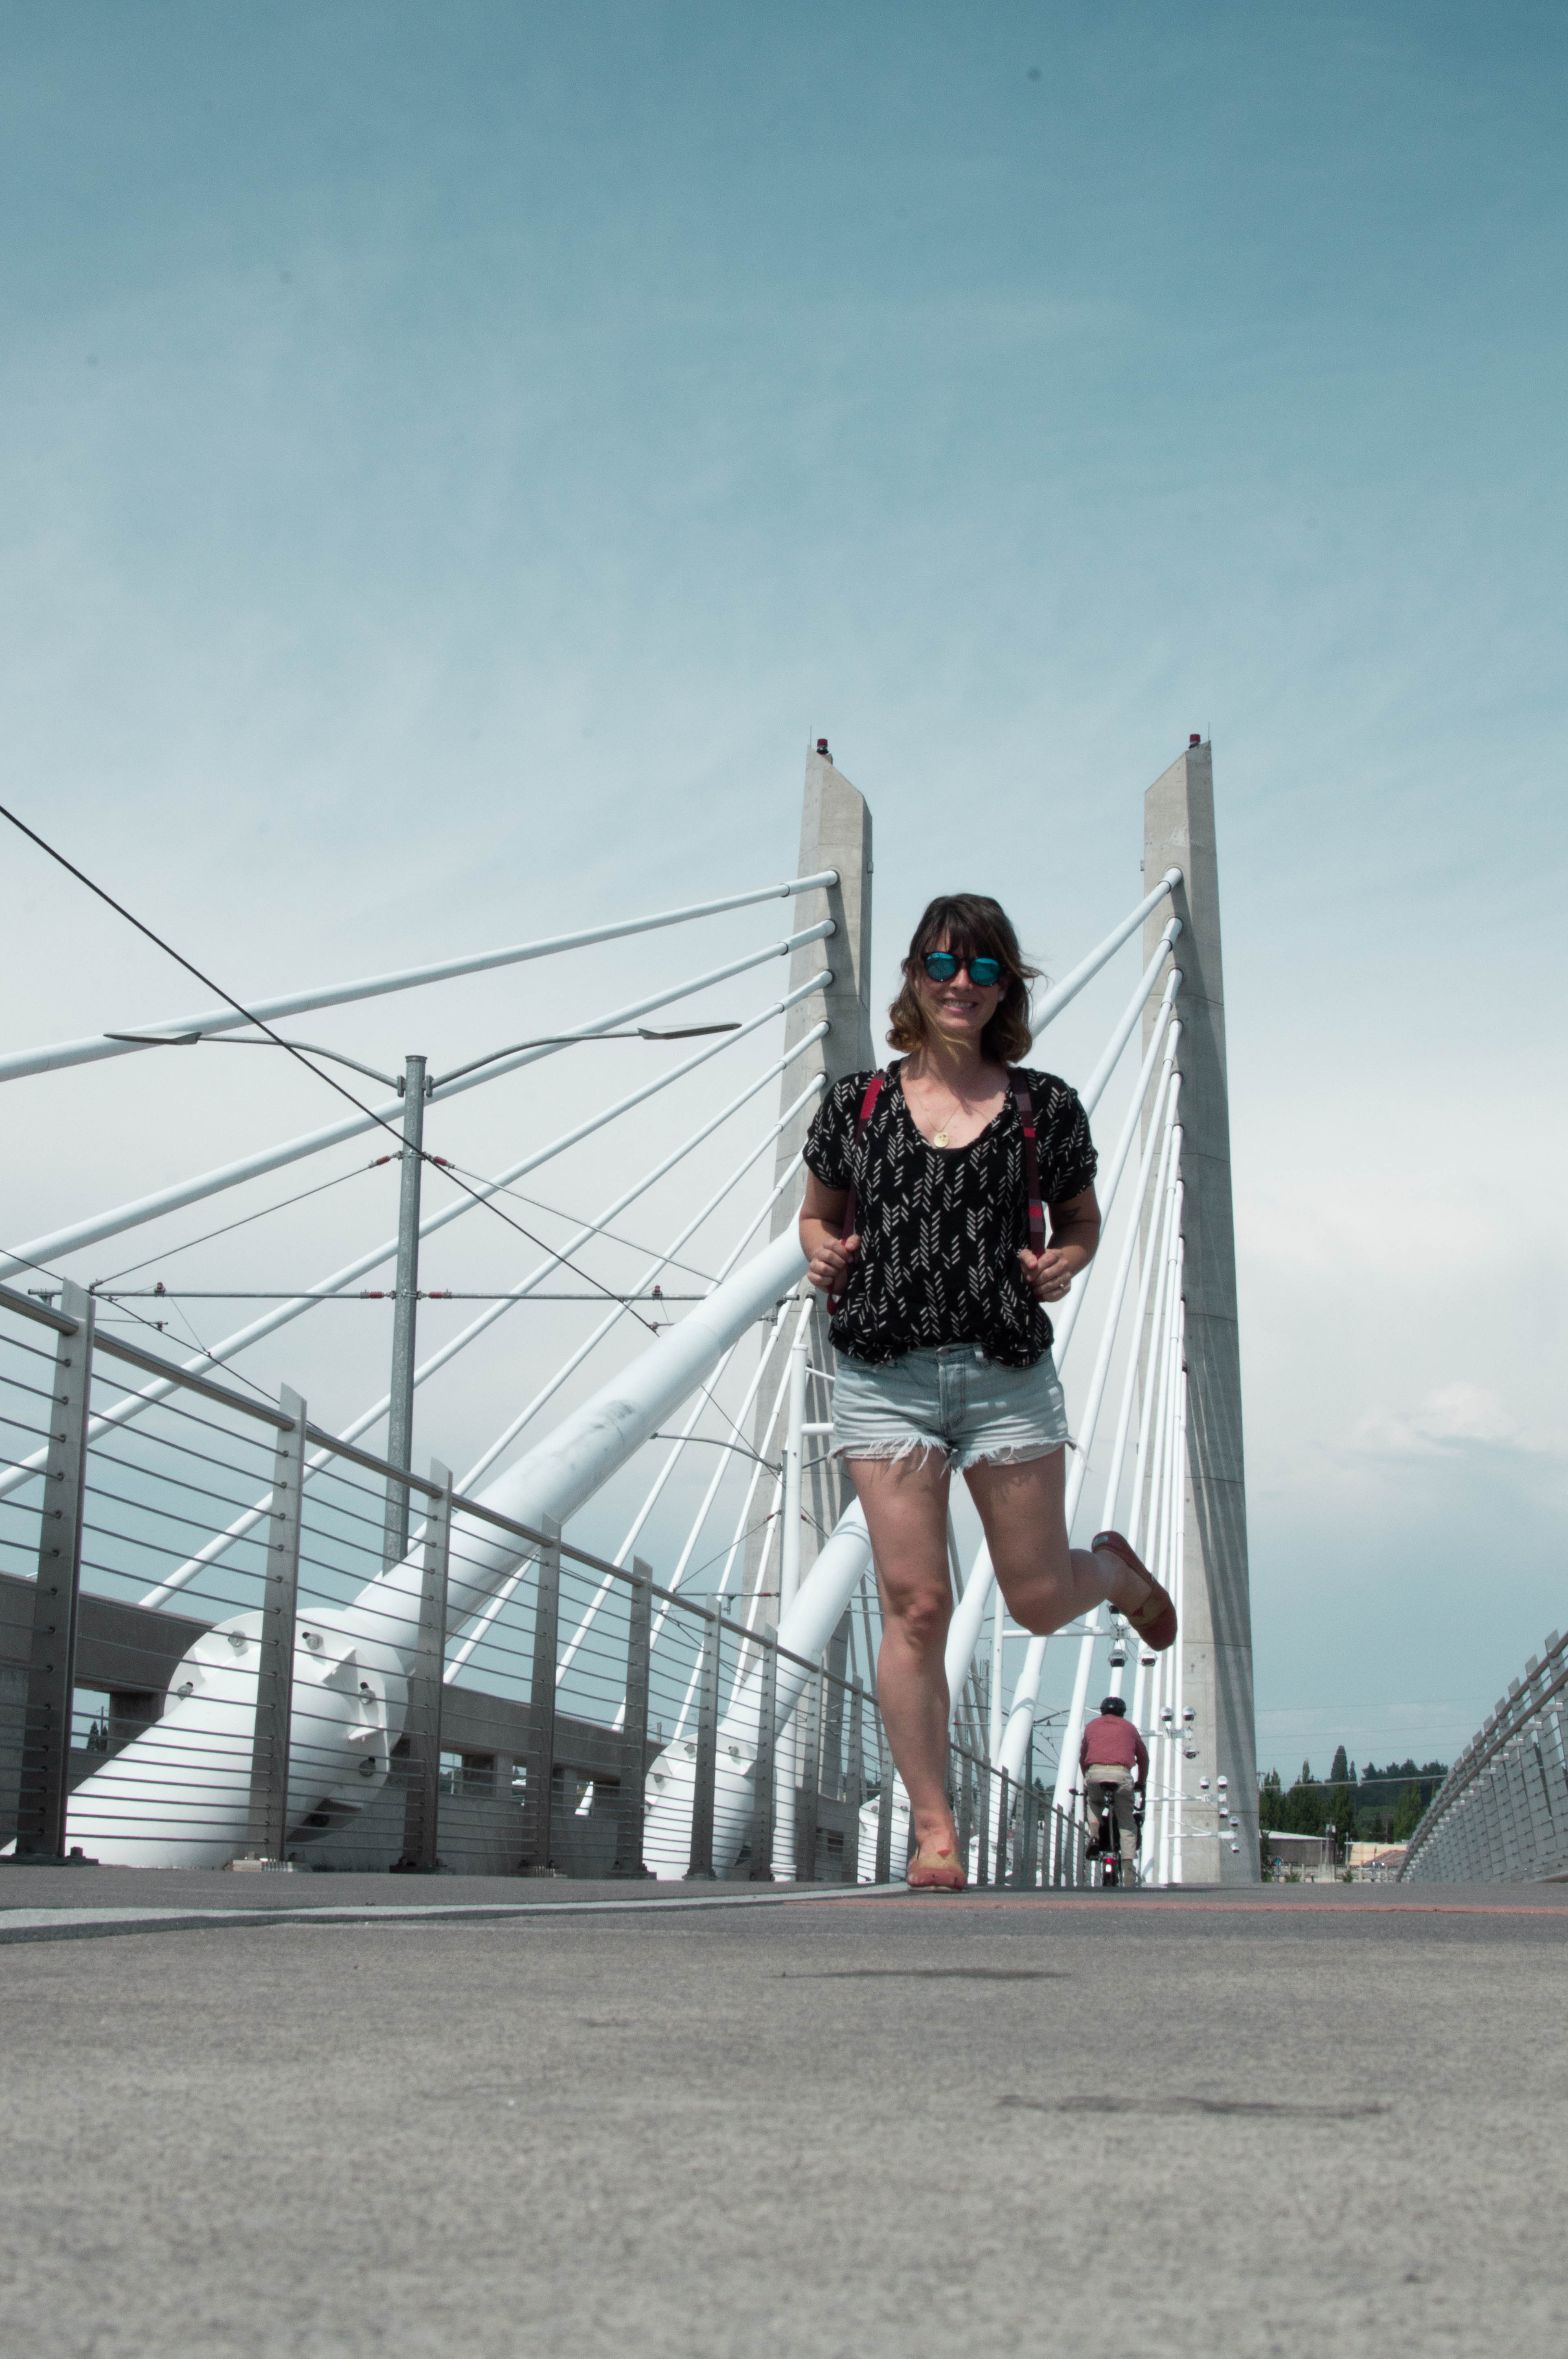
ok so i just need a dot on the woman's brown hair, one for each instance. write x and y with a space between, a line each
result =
975 927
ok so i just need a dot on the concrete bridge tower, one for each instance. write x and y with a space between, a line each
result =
1216 1625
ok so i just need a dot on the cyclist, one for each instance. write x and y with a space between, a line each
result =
1113 1754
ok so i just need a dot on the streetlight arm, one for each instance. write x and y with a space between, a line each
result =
569 1040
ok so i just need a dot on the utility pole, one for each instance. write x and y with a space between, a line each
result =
400 1415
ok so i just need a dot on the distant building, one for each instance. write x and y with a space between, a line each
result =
1304 1852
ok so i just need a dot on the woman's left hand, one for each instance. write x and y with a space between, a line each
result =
1048 1275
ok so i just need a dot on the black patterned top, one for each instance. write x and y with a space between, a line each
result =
940 1226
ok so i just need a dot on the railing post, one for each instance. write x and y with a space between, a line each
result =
538 1839
884 1868
765 1768
1000 1876
51 1674
1027 1818
983 1808
965 1814
855 1784
267 1831
811 1754
405 1312
422 1803
633 1813
700 1866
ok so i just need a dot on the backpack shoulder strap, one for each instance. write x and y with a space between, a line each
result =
1023 1097
874 1089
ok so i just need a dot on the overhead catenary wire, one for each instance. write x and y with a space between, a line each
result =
458 1343
134 1404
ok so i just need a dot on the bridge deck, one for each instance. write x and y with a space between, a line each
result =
1326 2120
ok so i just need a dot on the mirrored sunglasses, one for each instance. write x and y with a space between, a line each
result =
942 966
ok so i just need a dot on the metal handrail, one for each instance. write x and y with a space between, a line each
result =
1509 1720
1058 1859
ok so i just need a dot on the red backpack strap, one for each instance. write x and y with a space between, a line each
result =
1024 1099
874 1089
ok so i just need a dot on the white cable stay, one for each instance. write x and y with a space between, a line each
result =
247 1521
43 1251
1072 1309
133 1404
1094 1088
183 1028
1067 1765
1021 1717
1057 997
1156 1400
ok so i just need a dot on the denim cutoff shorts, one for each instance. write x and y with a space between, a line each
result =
953 1399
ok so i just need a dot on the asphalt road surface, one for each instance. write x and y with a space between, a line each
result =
835 2126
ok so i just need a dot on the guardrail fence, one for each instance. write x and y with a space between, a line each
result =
1500 1816
124 1584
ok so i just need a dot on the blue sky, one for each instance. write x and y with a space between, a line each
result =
456 456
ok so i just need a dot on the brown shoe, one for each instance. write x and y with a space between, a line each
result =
1155 1619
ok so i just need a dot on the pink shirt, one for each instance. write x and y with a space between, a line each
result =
1115 1741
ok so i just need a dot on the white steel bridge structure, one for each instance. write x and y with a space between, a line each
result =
309 1651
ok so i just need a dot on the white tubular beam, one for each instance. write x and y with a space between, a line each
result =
667 1469
789 1537
23 1061
1072 1309
47 1249
665 1609
612 1318
624 1551
561 1473
964 1629
1057 998
190 1777
1026 1695
805 1630
122 1412
1094 1088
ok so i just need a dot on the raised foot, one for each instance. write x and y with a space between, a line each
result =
1155 1619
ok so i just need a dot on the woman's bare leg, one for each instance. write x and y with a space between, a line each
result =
905 1504
1045 1581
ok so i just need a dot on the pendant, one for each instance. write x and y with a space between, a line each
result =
940 1139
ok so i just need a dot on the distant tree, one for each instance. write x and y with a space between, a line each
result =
1407 1816
1339 1770
1270 1796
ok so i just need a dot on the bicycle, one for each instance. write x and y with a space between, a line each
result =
1107 1867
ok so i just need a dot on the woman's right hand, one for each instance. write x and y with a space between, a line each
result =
831 1261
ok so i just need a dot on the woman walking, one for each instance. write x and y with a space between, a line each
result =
928 1191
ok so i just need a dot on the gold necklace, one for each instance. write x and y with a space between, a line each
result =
939 1138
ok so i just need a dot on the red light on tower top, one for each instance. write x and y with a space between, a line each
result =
1194 739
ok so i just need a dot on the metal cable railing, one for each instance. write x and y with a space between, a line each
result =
1500 1816
303 1742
